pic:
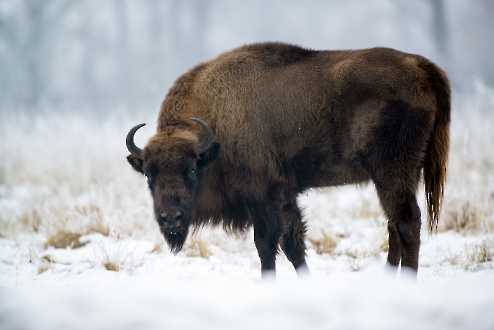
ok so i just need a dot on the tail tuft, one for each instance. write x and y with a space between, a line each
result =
437 152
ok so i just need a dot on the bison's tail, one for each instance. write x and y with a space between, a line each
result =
437 151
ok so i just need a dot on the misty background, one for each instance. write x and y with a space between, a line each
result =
121 55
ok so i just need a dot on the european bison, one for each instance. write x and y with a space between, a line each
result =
240 136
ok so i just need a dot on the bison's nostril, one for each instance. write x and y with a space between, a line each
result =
163 215
178 215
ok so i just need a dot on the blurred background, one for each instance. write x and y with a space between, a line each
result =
121 55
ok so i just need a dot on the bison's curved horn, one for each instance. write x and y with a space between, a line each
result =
207 137
133 149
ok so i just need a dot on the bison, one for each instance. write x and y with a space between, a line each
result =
240 136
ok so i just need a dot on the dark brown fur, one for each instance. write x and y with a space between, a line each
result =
288 119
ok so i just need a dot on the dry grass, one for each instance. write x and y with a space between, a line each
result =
481 253
63 239
31 220
157 248
384 246
62 224
89 210
474 255
467 218
324 245
198 248
116 257
45 265
367 210
111 266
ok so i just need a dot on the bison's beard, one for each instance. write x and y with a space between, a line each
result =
176 239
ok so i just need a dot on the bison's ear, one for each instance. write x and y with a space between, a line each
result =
209 155
135 162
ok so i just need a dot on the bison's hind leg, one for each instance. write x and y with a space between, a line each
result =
400 206
394 162
394 242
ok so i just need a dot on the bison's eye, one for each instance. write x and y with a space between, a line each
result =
191 176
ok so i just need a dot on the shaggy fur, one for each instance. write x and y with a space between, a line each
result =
286 119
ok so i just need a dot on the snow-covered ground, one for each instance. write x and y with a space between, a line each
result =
79 248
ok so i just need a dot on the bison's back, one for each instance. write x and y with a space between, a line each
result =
286 96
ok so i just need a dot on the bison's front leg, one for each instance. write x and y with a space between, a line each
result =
293 239
267 232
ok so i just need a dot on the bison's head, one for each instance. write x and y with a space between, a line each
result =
174 163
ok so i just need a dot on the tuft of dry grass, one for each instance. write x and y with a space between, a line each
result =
367 210
384 246
98 228
474 255
111 266
46 264
89 210
115 258
41 218
325 245
157 248
465 219
31 219
204 251
43 267
198 248
64 239
481 253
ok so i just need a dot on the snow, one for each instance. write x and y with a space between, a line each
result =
366 300
67 173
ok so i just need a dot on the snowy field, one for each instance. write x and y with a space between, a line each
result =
79 248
